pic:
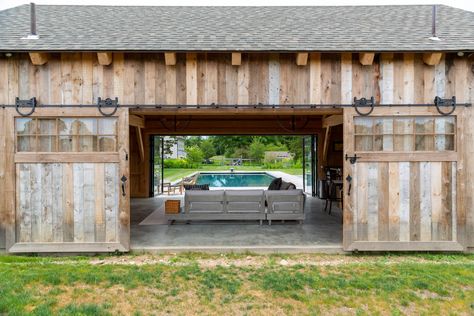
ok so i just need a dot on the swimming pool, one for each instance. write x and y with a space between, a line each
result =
235 179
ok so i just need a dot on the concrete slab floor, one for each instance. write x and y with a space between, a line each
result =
320 232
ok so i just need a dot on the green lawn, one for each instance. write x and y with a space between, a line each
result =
238 284
171 175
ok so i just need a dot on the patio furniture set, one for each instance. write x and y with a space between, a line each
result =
260 205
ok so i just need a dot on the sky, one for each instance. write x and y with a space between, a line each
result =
462 4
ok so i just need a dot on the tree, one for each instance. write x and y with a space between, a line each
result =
207 148
257 149
194 155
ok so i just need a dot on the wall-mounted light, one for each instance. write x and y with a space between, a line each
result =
8 55
460 54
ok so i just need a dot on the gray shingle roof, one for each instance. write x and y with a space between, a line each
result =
341 28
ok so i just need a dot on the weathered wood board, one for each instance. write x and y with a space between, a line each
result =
43 214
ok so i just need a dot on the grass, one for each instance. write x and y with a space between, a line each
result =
244 284
171 174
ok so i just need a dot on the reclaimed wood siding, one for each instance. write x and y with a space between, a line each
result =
67 202
405 201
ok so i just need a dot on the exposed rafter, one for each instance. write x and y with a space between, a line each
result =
366 59
236 59
432 59
104 58
301 59
39 59
137 121
332 120
170 59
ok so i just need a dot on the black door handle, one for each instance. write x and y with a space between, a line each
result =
349 179
124 180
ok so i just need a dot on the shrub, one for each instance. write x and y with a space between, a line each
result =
176 163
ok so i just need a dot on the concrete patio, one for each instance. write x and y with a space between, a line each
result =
319 233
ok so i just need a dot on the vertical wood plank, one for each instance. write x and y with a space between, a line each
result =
454 234
386 65
99 184
78 170
111 202
119 77
57 205
89 202
170 73
123 170
87 77
191 78
362 201
150 78
211 80
35 184
24 203
243 81
68 202
436 200
425 201
415 201
46 187
346 78
404 211
394 201
274 79
445 220
383 201
315 78
372 203
408 78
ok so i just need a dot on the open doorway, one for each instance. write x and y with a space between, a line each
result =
319 229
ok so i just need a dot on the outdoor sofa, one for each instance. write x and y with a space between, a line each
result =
241 205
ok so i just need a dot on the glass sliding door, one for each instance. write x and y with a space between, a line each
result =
157 163
309 164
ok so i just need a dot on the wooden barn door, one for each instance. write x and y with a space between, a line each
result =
72 191
402 181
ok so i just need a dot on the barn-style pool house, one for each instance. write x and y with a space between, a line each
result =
382 93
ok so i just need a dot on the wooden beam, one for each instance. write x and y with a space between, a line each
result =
366 59
326 146
170 59
141 147
137 121
301 59
38 59
432 59
105 59
332 120
236 59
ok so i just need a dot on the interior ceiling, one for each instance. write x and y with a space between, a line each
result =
236 124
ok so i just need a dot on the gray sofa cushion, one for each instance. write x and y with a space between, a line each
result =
245 201
288 201
204 201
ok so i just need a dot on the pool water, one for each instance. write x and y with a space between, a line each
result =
225 180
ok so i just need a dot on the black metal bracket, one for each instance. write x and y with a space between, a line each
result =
363 102
438 102
32 103
103 103
352 159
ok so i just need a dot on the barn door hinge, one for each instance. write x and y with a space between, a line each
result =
438 102
32 103
363 102
107 103
352 159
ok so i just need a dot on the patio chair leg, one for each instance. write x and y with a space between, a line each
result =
270 222
325 205
301 222
261 222
330 207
